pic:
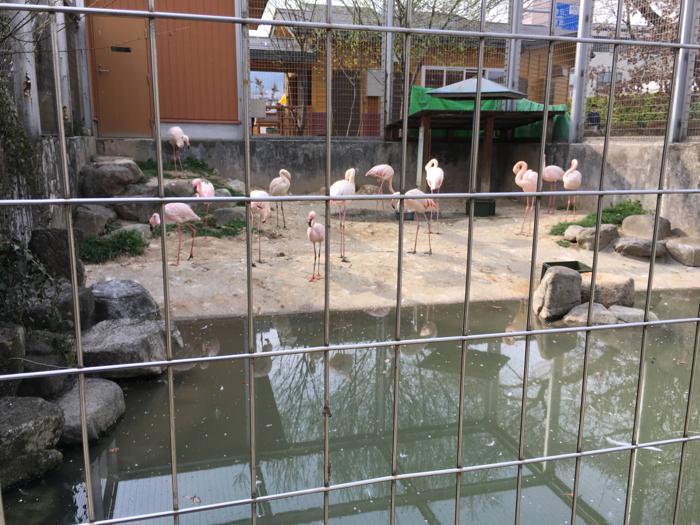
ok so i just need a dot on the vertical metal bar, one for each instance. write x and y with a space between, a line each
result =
388 64
399 267
578 100
163 253
327 281
245 4
686 422
513 71
594 272
678 121
471 185
2 512
73 260
533 263
641 378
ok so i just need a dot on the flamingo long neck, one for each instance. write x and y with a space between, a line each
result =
520 176
391 186
574 165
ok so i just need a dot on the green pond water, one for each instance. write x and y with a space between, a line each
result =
131 465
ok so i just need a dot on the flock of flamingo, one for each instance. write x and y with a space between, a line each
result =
417 202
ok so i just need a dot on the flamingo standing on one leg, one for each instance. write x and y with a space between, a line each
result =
178 141
261 210
339 189
179 213
385 174
418 206
572 181
434 176
203 188
316 234
527 180
279 186
552 174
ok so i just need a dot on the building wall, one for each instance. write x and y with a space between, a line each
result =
533 69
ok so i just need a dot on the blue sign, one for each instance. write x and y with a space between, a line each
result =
566 16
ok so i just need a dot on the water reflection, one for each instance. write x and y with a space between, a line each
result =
131 465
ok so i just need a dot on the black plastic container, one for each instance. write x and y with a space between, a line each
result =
407 216
483 207
574 265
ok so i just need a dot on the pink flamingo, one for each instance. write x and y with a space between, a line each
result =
261 210
527 180
279 186
552 174
178 141
383 173
343 188
179 213
417 206
572 181
203 188
316 234
434 176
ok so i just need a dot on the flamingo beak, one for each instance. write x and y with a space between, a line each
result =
309 223
151 227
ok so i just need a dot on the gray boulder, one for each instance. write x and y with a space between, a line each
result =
236 186
121 299
108 177
135 211
558 292
609 289
221 192
579 315
48 351
104 405
635 247
572 232
120 341
29 429
223 216
12 353
52 307
631 315
642 226
685 250
178 188
143 230
586 236
91 219
50 246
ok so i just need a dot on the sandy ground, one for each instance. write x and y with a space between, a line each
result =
214 282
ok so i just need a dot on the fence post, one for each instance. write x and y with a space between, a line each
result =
81 46
388 65
680 104
64 71
513 66
578 98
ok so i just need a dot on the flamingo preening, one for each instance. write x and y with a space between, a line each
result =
179 213
527 180
552 174
572 181
385 174
434 176
261 210
316 234
279 186
339 189
418 206
203 188
178 141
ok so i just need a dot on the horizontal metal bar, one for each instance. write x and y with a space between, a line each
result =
399 477
349 346
342 27
322 198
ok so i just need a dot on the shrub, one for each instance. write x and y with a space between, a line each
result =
108 247
614 214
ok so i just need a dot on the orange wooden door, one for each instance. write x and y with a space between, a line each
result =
121 76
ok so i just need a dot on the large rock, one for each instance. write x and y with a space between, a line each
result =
104 405
558 292
12 353
572 232
236 186
91 219
685 250
221 192
143 230
585 238
223 216
609 289
108 177
630 315
642 226
29 429
48 351
128 341
50 246
121 299
579 315
178 188
635 247
135 211
52 307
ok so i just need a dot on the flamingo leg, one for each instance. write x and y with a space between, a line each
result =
380 191
259 241
343 226
194 234
277 215
179 242
284 221
415 242
313 270
437 213
430 246
318 272
527 211
568 203
206 216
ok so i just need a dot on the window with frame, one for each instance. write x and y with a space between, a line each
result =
438 76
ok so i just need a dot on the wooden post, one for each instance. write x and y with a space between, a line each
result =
423 155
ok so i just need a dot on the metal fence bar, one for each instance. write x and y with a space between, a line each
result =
73 263
641 381
594 274
155 93
686 422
